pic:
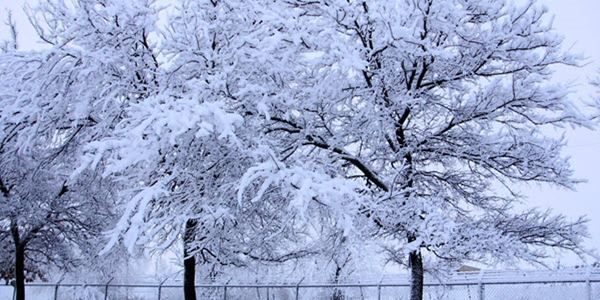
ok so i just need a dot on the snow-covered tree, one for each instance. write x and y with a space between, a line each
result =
55 99
45 219
440 108
44 222
168 131
192 152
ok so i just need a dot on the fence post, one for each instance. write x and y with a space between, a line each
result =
56 288
481 287
225 291
160 287
588 283
106 288
298 288
481 291
379 291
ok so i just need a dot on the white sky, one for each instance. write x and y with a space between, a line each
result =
579 22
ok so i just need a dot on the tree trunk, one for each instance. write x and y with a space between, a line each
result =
20 272
189 262
337 293
416 275
19 260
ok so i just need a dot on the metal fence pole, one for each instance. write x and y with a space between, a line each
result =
56 288
106 288
298 288
481 291
588 283
160 288
379 291
481 287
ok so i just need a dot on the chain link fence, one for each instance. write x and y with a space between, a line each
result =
474 286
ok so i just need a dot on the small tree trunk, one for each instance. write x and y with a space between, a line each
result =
19 260
416 275
337 293
189 262
20 272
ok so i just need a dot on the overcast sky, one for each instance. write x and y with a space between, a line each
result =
579 22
